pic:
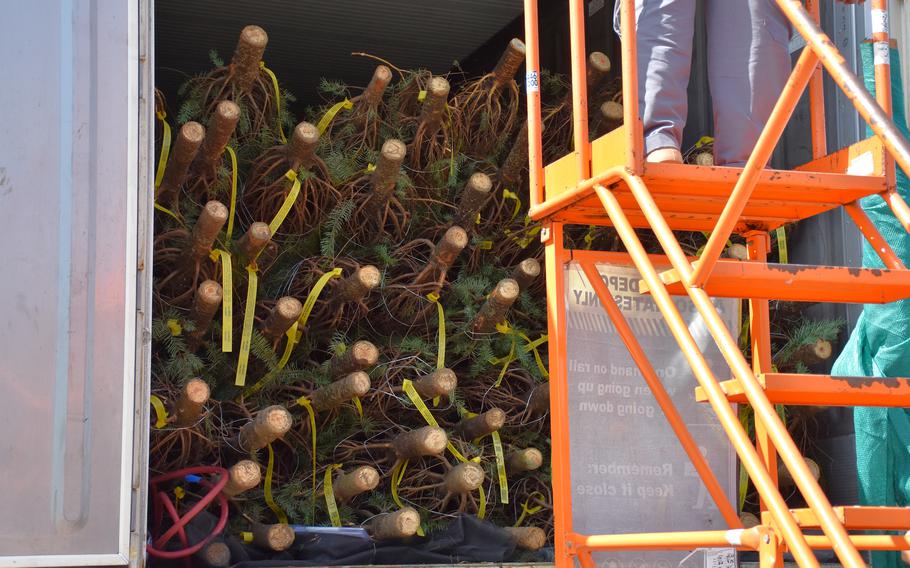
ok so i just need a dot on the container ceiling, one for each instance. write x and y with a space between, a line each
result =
310 39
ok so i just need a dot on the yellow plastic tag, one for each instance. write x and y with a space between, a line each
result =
160 411
704 140
329 495
165 147
397 475
179 493
409 389
441 347
277 99
528 511
292 339
305 402
227 302
230 227
421 96
783 256
175 328
246 537
370 168
329 116
485 245
500 468
482 509
288 202
247 334
168 212
589 236
314 295
358 406
269 499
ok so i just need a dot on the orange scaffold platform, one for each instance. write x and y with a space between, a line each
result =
607 182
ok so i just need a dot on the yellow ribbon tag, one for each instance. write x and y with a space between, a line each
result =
421 96
329 495
482 508
160 412
589 237
477 218
409 389
305 402
165 147
397 475
358 406
329 116
783 256
168 212
246 537
441 348
175 328
314 295
269 499
230 227
506 194
288 202
500 468
179 493
369 168
292 338
227 302
277 99
528 511
485 245
246 336
505 364
703 141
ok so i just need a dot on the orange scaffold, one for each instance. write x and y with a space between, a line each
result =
607 182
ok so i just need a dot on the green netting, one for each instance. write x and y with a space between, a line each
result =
880 347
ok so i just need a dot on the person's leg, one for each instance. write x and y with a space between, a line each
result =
748 65
665 29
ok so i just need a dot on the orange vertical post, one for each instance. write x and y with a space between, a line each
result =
817 99
760 335
635 140
579 88
532 88
559 392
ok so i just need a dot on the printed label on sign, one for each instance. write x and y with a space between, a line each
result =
720 558
862 165
879 21
882 53
648 486
532 81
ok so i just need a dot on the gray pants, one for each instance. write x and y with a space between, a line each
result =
748 65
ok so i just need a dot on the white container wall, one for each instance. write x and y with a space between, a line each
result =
69 211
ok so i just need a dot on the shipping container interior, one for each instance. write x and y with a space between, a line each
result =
345 39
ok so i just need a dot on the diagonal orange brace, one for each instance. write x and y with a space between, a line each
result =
661 396
796 84
727 418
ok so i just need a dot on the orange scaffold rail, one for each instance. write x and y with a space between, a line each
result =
608 182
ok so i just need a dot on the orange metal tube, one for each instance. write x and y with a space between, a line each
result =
579 88
559 394
685 540
763 409
882 70
661 396
834 62
728 419
742 191
878 242
864 542
559 202
532 70
817 99
898 206
635 138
